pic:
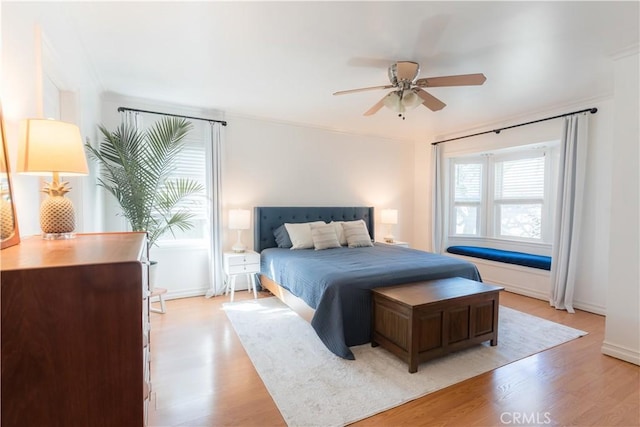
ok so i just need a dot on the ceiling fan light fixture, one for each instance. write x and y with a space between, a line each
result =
393 102
410 99
401 101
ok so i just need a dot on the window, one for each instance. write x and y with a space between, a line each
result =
467 197
502 195
519 197
190 164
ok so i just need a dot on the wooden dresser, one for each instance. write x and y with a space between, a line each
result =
75 331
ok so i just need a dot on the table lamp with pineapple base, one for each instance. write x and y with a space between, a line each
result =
53 147
57 214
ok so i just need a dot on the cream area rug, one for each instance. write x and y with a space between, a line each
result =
313 387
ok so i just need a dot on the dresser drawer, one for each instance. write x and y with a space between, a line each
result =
240 259
245 268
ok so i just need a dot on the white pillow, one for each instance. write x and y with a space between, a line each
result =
324 236
357 234
300 234
340 232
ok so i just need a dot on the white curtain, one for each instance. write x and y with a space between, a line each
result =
438 232
571 176
134 119
131 118
214 188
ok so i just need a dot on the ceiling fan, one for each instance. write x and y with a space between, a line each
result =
408 92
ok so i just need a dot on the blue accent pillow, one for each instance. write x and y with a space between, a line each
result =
282 237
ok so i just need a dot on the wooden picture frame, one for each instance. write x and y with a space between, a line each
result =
9 233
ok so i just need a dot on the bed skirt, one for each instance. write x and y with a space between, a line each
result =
293 302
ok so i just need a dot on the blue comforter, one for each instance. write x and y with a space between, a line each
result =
337 283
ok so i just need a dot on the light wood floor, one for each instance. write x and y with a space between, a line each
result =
202 377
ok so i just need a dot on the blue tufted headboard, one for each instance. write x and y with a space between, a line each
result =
267 218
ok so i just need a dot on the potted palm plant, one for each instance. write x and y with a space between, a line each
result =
136 167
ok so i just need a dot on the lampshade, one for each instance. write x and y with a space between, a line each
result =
389 216
402 100
239 219
410 99
48 146
392 101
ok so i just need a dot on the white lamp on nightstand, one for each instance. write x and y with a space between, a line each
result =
389 217
239 219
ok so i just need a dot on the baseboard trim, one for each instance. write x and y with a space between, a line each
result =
186 293
620 352
510 287
595 309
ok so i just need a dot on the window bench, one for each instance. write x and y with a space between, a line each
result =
509 257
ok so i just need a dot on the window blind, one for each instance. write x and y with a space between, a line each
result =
191 164
468 182
520 179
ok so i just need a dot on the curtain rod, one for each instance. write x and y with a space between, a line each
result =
497 131
121 109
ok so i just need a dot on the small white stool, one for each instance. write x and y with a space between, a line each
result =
158 292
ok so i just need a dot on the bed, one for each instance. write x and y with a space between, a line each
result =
332 288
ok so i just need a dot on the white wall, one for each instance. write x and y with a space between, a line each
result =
622 331
31 51
279 164
423 194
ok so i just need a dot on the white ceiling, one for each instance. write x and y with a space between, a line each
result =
283 60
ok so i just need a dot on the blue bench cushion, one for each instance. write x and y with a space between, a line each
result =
509 257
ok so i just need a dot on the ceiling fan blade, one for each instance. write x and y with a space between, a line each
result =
344 92
375 108
430 101
459 80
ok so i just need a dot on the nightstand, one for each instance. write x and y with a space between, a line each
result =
237 263
396 243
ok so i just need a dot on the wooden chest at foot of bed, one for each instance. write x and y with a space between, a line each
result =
423 320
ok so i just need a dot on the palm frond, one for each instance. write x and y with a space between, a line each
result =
135 166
